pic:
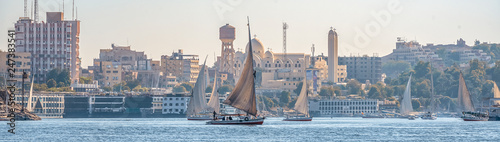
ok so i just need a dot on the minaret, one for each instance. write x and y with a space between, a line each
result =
332 56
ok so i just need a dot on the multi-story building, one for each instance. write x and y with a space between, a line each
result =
110 73
468 55
184 67
129 59
412 52
175 104
343 107
363 68
23 63
52 44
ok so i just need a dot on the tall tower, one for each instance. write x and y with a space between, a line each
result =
332 56
227 36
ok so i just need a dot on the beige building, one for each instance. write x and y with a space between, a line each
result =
278 72
129 59
321 64
184 67
111 73
23 63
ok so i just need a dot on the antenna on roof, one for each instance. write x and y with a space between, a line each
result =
73 14
36 10
63 8
25 8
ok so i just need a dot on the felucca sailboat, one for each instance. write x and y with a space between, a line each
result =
406 107
197 107
243 95
302 106
465 105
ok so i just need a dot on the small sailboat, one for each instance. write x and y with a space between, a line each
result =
430 114
243 95
465 103
494 111
406 107
197 107
214 102
302 106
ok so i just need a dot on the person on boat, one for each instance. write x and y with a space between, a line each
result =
215 118
230 118
223 118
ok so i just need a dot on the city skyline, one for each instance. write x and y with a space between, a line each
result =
164 30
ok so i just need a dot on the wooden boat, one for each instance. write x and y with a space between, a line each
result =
243 95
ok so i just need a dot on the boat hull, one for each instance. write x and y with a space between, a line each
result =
199 119
373 117
494 118
429 118
298 119
258 121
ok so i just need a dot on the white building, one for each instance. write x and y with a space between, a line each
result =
157 104
175 104
45 105
343 107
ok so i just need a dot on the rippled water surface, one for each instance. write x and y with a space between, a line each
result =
273 129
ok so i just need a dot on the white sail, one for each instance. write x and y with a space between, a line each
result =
496 94
302 104
464 101
214 98
406 107
197 103
243 94
29 106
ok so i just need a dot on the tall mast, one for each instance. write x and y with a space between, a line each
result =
432 89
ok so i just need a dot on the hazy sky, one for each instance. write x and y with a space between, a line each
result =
159 27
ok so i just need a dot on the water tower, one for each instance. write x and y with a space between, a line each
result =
227 36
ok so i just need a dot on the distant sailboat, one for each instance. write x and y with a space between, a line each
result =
30 96
430 114
465 105
494 112
243 95
406 107
214 103
197 107
302 105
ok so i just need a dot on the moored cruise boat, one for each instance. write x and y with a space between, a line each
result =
475 116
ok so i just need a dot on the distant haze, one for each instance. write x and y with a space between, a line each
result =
364 27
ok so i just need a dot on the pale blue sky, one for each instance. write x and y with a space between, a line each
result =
160 27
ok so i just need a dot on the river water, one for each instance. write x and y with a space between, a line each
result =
273 129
